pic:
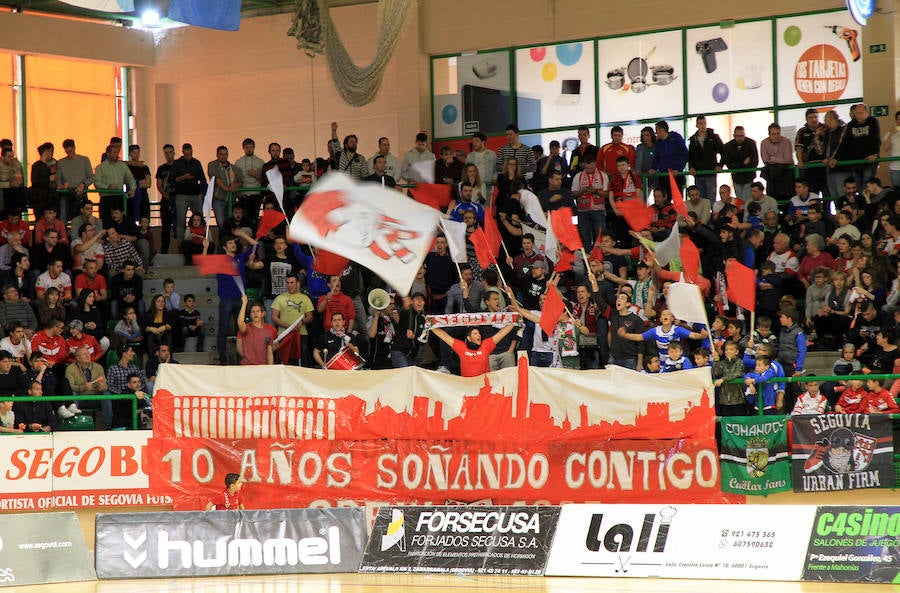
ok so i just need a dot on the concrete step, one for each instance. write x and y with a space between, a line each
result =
168 260
195 357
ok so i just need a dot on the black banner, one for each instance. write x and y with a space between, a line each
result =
842 452
482 540
226 543
854 545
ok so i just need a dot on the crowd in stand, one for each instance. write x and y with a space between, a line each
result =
823 241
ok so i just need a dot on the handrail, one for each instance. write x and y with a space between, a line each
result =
68 398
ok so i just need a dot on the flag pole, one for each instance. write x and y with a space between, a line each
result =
587 265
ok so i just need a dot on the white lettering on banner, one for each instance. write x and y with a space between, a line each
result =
309 551
479 521
825 422
616 469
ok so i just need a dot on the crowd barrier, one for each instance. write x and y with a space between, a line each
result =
846 544
83 398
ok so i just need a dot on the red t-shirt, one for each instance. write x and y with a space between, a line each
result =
88 340
96 285
474 362
339 303
883 401
223 501
54 349
255 342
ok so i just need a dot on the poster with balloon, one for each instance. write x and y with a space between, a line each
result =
819 58
640 76
555 85
729 69
477 97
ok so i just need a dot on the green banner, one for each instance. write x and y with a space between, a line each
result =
754 457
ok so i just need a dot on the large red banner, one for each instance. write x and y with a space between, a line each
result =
519 436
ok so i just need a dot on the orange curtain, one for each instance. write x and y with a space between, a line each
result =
70 99
7 100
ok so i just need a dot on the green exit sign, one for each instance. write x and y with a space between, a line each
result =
878 48
879 110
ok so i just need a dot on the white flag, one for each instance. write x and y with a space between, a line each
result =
424 171
104 5
669 249
532 206
377 227
686 303
276 184
207 205
551 244
456 240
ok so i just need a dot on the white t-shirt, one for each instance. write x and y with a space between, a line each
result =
20 352
785 261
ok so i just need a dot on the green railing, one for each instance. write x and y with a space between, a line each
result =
90 398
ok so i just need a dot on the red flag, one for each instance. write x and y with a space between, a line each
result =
482 248
638 215
494 193
741 284
566 261
492 232
436 195
566 232
215 264
268 221
677 198
329 264
690 260
553 309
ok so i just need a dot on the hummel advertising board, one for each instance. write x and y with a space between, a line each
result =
681 541
226 543
477 540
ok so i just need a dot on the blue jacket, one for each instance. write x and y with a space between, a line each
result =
671 153
767 389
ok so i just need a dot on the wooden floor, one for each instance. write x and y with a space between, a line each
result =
353 583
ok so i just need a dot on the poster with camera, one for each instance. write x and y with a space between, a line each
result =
730 68
854 545
640 76
842 452
495 540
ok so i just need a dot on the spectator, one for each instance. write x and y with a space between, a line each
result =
740 153
705 149
13 309
163 355
92 320
87 378
776 153
670 153
128 329
863 141
643 159
515 149
191 322
190 185
113 174
165 185
611 152
36 416
126 289
74 173
811 401
158 324
256 340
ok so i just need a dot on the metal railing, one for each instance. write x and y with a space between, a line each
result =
67 398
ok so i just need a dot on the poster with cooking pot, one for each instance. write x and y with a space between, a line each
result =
555 85
471 93
640 76
819 58
729 69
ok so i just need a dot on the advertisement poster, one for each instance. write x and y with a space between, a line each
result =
842 452
414 436
640 76
854 545
76 470
477 94
819 58
555 85
461 540
754 455
681 541
729 69
38 548
229 543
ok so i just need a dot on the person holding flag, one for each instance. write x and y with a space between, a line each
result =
474 352
557 325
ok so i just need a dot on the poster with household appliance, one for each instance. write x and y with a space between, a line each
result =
729 68
555 85
640 76
819 58
479 99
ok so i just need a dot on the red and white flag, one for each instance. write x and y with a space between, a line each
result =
377 227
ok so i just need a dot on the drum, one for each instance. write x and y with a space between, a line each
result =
345 360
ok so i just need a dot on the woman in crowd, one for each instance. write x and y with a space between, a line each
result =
158 324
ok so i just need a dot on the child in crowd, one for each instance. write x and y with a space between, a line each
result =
847 364
652 365
663 333
730 399
701 358
173 299
757 382
854 399
811 401
128 328
768 290
753 215
816 296
193 242
880 400
719 335
763 333
191 322
675 359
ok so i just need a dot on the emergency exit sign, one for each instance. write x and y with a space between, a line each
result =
878 48
879 110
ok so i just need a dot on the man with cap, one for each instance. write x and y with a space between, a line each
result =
77 338
405 347
474 352
535 285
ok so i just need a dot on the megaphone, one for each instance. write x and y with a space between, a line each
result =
379 299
